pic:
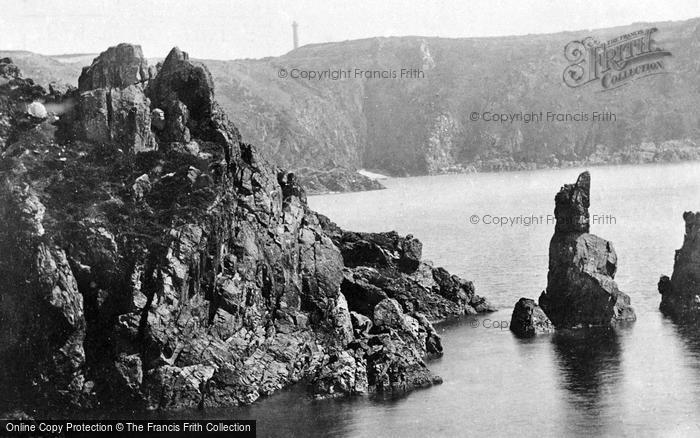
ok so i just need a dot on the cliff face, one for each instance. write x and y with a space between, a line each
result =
680 294
581 291
151 256
421 124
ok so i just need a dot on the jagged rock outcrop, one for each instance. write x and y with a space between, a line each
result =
387 265
581 290
112 104
529 319
151 256
680 294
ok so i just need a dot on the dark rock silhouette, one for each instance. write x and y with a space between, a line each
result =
680 295
529 319
581 290
152 257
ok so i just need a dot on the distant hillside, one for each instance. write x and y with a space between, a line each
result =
45 69
423 126
418 126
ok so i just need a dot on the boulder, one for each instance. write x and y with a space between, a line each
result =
388 314
680 294
410 253
529 319
581 290
37 110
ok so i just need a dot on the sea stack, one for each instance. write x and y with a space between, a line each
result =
581 291
680 294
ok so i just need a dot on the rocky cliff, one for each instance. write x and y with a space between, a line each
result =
374 118
680 294
420 124
151 256
581 291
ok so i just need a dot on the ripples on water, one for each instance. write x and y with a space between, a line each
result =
637 380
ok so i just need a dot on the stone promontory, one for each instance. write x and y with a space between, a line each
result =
680 294
151 258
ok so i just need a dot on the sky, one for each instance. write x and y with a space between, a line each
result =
220 29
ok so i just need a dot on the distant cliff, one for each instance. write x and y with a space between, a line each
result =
422 125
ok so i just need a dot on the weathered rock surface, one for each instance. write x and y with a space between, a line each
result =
118 67
387 265
112 105
529 319
150 256
581 290
680 294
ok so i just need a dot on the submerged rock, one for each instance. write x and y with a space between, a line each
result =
680 294
529 319
581 290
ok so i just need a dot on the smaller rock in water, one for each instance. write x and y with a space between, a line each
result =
529 319
37 110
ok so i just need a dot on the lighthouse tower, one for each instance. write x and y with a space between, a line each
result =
295 34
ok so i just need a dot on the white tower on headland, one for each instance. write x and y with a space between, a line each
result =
295 34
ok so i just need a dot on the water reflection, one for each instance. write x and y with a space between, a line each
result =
589 363
689 334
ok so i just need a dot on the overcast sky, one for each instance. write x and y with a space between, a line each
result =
228 29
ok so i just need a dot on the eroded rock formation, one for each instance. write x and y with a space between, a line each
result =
529 319
581 290
150 255
680 294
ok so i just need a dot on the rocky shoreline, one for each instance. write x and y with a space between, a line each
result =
160 261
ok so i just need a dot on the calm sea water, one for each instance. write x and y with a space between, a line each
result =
638 380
